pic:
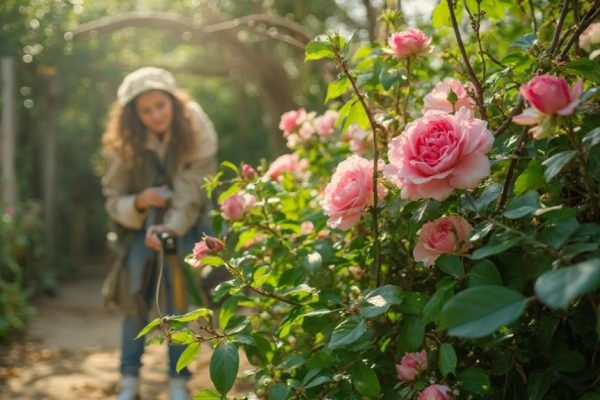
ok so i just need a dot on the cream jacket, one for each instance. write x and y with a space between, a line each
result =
120 185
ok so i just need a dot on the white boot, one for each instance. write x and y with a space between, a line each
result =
178 389
129 388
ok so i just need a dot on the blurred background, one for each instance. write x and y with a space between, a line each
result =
61 62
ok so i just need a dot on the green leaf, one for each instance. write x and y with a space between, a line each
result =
555 163
374 306
188 355
559 287
207 394
153 324
440 297
348 332
224 365
319 380
475 380
523 205
278 391
411 335
231 166
317 49
484 273
567 360
214 261
441 15
451 265
193 315
391 293
591 138
447 362
585 68
481 310
525 42
337 88
356 115
489 194
227 311
498 244
233 189
365 380
261 275
530 179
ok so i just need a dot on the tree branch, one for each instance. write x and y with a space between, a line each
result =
587 19
465 57
563 14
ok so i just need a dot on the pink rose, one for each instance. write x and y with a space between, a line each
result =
443 236
286 163
291 120
435 392
409 42
325 123
248 172
439 153
437 99
307 227
203 248
234 207
411 365
349 192
590 37
548 95
360 140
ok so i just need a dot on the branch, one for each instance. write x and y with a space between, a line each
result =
518 108
463 52
511 168
186 28
587 19
563 14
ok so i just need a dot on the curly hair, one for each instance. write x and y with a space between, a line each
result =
125 134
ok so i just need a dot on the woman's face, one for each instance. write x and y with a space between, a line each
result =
155 110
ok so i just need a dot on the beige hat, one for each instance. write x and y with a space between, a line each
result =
144 79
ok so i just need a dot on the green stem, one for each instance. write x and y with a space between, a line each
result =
405 111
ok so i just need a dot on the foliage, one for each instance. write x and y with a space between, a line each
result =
485 287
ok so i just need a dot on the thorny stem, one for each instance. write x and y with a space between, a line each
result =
465 57
583 164
561 20
587 19
518 108
341 63
405 110
511 168
532 12
476 24
549 250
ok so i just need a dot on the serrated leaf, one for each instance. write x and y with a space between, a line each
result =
151 325
556 163
559 287
481 310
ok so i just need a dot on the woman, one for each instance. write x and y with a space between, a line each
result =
159 146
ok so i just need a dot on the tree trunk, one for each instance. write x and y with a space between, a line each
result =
9 175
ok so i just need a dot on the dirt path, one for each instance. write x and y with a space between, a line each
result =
71 351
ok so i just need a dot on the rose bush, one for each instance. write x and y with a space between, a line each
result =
477 275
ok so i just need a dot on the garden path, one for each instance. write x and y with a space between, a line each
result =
71 351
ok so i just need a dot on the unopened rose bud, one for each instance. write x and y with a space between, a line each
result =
214 244
248 172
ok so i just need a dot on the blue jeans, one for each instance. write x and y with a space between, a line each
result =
131 349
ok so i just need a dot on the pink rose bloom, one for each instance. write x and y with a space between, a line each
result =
203 248
435 392
439 153
411 365
291 120
548 95
590 37
234 207
325 123
286 163
437 99
409 42
445 235
307 227
349 192
248 172
360 140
